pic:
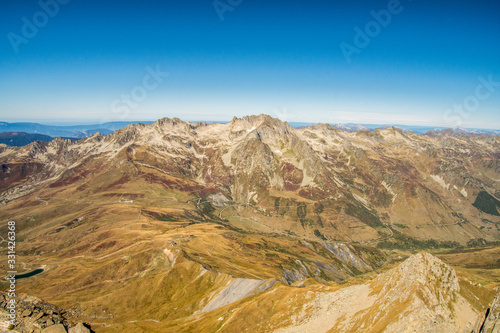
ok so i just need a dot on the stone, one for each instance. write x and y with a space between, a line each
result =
79 328
38 316
59 328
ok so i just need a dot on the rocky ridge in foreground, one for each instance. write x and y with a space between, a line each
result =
33 315
423 294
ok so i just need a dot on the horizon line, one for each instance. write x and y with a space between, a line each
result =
88 122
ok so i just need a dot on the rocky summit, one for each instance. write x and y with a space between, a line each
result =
255 225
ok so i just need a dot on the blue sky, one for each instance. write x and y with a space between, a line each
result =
91 61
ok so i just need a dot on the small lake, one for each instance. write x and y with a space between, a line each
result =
29 274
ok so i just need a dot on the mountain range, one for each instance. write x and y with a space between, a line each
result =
256 224
82 131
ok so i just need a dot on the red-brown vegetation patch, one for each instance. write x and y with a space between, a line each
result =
116 184
292 177
313 193
14 173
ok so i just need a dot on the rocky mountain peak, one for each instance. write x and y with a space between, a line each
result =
96 137
351 128
124 135
426 290
325 127
421 271
256 121
37 147
166 121
171 123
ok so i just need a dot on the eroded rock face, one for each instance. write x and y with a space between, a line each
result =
489 322
348 262
35 315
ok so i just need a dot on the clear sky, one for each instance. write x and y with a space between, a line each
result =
422 63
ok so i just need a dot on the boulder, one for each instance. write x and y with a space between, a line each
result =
80 328
59 328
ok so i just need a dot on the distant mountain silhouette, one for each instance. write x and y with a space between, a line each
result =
19 139
69 131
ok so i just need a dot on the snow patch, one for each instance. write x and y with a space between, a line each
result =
226 158
440 181
306 179
252 196
360 199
